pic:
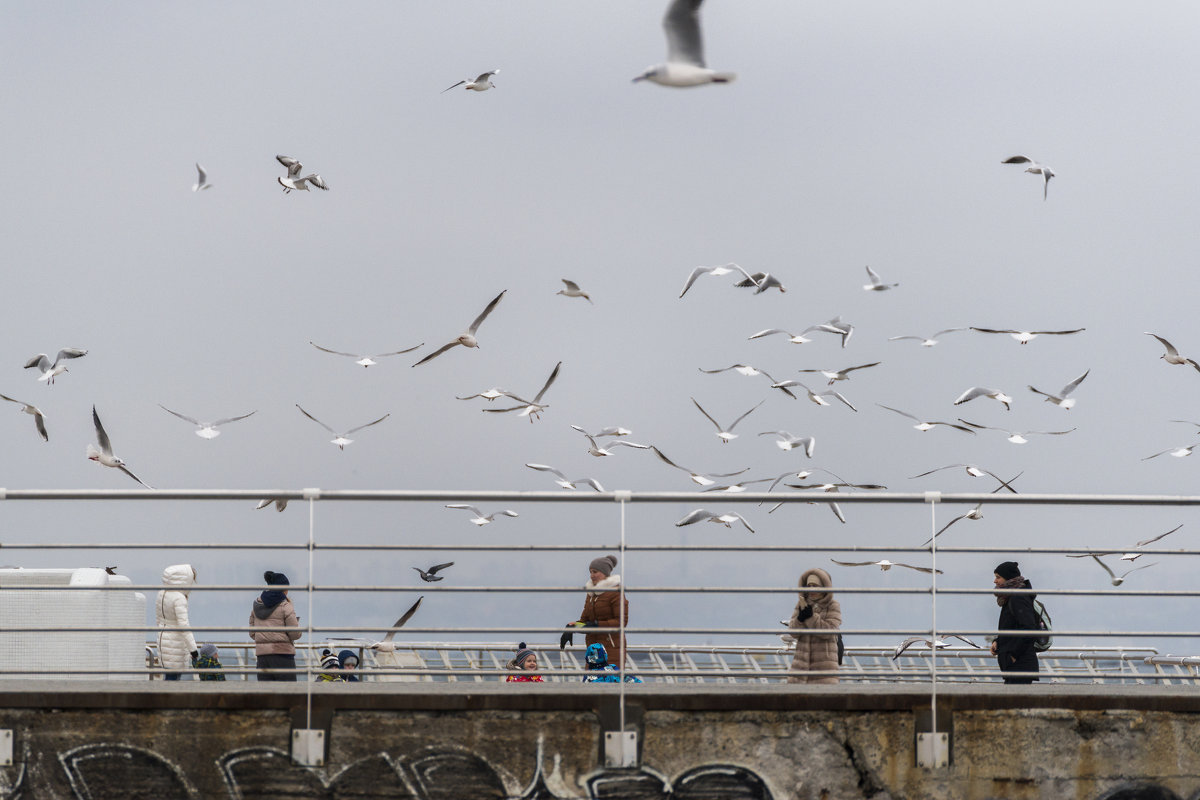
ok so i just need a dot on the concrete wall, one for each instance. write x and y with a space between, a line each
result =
461 742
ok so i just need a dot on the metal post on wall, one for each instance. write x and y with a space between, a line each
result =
308 745
933 748
620 746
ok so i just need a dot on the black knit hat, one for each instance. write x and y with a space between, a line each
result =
275 578
1008 570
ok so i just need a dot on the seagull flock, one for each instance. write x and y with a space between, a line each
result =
684 67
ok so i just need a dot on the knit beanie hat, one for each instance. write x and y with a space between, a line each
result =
604 564
209 650
1008 570
275 578
523 653
329 660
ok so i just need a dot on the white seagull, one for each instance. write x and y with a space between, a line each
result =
788 442
1171 356
761 281
480 518
206 430
750 372
1178 452
735 488
39 419
685 50
704 515
724 269
726 434
792 337
488 394
572 290
562 481
385 650
530 408
465 339
1034 168
293 179
974 513
104 456
835 325
201 181
816 397
50 370
699 478
877 284
1117 581
979 391
1016 437
1145 542
884 565
1061 400
925 425
366 361
598 451
341 439
926 341
940 644
1025 337
975 472
840 374
480 84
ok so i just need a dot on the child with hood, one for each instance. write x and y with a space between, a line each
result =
348 663
597 661
208 660
815 610
273 648
171 611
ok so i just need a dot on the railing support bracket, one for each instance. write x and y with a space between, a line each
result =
620 749
308 747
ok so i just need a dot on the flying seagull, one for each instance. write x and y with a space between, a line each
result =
975 472
699 478
884 565
1016 437
201 181
1025 337
530 408
704 515
726 434
761 281
816 397
280 503
979 391
725 269
1171 356
366 361
104 456
480 518
598 451
206 430
1145 542
488 394
685 50
735 488
341 439
835 325
974 513
562 481
386 648
840 374
877 284
788 442
1061 400
925 425
39 419
430 575
794 338
480 84
931 644
293 179
1178 452
1117 581
49 369
926 341
1034 168
750 372
572 290
465 339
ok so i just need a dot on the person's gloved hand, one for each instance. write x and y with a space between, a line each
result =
804 613
592 624
568 638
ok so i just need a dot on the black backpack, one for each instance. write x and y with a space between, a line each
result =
1042 643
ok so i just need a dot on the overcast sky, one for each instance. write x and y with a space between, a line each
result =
869 133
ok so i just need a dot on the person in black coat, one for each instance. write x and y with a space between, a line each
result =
1015 653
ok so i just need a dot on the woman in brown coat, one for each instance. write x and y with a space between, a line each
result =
815 610
600 608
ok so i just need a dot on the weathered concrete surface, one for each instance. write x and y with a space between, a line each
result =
719 742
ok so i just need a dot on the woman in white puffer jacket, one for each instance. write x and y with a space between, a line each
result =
175 648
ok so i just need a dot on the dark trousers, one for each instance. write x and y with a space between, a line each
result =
268 663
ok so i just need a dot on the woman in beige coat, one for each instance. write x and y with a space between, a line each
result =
815 610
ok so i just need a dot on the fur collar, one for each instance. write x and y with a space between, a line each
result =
611 582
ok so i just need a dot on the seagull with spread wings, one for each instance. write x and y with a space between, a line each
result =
562 481
572 290
877 284
685 50
1171 356
293 179
206 430
975 472
699 478
926 341
1025 337
430 575
816 397
39 419
342 439
939 644
974 513
480 518
726 434
980 391
1035 169
104 455
52 369
1061 400
366 361
1016 437
201 179
925 425
480 84
716 272
465 339
884 565
840 374
704 515
530 408
1118 580
787 441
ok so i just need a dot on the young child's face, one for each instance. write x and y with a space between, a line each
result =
530 664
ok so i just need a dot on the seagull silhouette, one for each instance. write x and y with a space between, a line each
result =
431 574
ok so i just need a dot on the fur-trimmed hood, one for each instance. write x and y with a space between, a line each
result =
823 577
611 582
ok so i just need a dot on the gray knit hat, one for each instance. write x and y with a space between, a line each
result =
209 649
604 564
